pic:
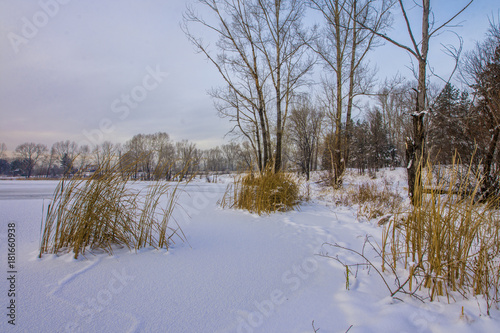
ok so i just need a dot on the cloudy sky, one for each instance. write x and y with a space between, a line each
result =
90 71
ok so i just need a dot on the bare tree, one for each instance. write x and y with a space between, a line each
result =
396 100
29 153
152 154
345 43
3 149
250 122
69 148
188 157
104 152
65 154
419 49
214 159
135 150
283 45
305 128
239 65
49 160
164 150
261 56
246 160
230 152
83 156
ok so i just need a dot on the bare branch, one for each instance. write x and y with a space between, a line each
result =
410 32
451 19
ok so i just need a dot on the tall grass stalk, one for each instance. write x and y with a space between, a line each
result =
105 211
372 201
266 192
449 241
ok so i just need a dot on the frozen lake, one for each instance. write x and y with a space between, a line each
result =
238 272
27 189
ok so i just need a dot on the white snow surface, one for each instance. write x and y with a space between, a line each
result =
240 272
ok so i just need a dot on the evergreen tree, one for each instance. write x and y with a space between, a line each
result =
359 146
4 167
66 164
379 152
447 127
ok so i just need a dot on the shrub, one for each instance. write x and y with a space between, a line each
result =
104 211
372 200
266 192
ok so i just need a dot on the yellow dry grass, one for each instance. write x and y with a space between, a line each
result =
448 241
103 211
372 200
262 193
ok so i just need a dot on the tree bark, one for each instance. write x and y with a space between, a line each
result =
337 147
489 179
417 151
348 122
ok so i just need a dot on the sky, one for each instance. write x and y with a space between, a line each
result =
90 71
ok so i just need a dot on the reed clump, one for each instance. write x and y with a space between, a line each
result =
105 211
449 241
373 201
266 192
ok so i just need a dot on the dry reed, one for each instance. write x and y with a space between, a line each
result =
448 241
104 211
372 200
266 192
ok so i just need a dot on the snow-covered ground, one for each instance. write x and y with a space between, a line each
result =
239 273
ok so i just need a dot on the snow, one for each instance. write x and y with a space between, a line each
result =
420 113
239 272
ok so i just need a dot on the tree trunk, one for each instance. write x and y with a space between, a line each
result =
337 146
489 179
259 148
265 143
348 122
415 148
279 124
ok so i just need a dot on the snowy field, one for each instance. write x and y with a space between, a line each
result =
239 273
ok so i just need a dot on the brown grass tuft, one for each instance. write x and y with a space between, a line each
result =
449 241
372 201
267 192
104 211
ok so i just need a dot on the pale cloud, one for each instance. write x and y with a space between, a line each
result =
60 80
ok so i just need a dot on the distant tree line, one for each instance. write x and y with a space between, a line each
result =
147 156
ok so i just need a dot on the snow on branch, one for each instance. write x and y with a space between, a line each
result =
420 113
